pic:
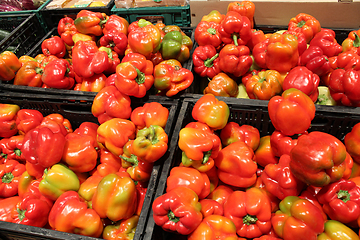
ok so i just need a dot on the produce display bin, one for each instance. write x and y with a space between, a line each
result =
76 112
337 121
52 16
24 32
179 16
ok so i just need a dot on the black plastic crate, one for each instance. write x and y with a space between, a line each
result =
52 16
337 121
25 31
77 112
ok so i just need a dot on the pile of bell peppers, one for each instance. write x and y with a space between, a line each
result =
90 180
95 50
231 182
235 59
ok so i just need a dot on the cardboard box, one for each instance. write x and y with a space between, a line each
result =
331 14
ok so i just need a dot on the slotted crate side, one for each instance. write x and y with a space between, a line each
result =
337 121
78 111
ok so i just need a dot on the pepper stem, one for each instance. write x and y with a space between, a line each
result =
356 42
152 135
301 24
212 31
206 157
3 155
209 62
17 152
343 195
235 38
8 177
39 70
21 213
172 217
140 79
132 159
249 219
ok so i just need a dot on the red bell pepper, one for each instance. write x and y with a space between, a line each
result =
279 180
92 84
346 60
303 79
66 29
88 60
325 39
297 219
115 22
199 125
281 143
8 113
9 65
44 147
35 170
257 36
221 193
310 194
222 85
265 154
114 133
88 22
341 201
151 113
233 132
206 33
235 29
59 119
6 207
250 211
318 159
306 24
245 8
211 207
236 166
110 103
58 74
259 52
11 148
134 75
113 58
300 36
344 87
29 74
10 173
88 187
178 211
63 24
53 46
211 111
206 61
71 214
352 143
295 119
115 40
235 60
315 60
109 163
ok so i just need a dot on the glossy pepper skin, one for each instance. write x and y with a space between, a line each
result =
279 180
66 29
175 45
235 60
264 85
351 142
315 60
171 78
110 103
287 119
115 22
318 159
304 80
88 60
58 74
10 173
335 230
235 29
214 227
134 75
206 61
115 40
340 201
264 154
71 214
222 85
59 119
300 36
245 8
346 60
53 46
250 211
144 37
297 219
91 84
213 16
325 39
282 52
9 65
211 207
233 132
208 109
306 24
236 166
88 22
169 208
206 33
8 113
114 133
151 113
11 148
281 143
114 197
29 74
344 86
6 207
125 229
352 42
57 180
190 178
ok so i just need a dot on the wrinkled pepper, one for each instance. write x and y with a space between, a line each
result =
206 33
115 40
325 39
235 60
151 113
235 29
10 173
306 24
53 46
58 74
233 132
264 85
206 61
281 143
11 148
315 60
222 85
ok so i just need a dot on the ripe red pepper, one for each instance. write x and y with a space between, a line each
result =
325 39
58 74
178 211
110 103
10 173
352 143
211 207
113 58
257 36
115 22
306 24
235 60
206 33
315 60
265 154
10 148
295 119
259 52
115 40
92 84
281 143
59 119
109 163
233 132
300 36
318 159
66 29
235 29
245 8
303 79
53 46
6 207
346 60
151 113
206 61
250 211
8 113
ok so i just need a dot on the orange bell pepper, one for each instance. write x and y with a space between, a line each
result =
306 24
8 113
245 8
151 113
9 65
29 74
